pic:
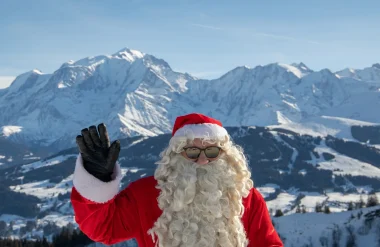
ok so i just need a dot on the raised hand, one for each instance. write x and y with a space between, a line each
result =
99 157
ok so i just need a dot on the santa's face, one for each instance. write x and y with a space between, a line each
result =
201 199
202 159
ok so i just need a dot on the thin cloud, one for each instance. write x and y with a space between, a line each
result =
206 26
268 35
5 81
281 37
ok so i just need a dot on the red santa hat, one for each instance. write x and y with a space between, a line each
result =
198 126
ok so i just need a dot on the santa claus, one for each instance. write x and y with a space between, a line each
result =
200 195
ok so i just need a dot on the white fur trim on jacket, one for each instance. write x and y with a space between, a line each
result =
201 130
92 188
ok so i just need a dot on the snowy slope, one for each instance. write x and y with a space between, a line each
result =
324 125
138 94
319 229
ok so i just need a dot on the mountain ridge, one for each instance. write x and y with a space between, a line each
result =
138 94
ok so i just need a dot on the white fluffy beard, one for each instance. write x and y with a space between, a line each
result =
201 204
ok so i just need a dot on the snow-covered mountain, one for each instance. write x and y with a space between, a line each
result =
128 90
371 74
138 94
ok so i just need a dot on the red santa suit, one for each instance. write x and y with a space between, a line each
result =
108 216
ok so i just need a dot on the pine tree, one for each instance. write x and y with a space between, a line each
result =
278 213
37 243
318 207
3 228
350 206
360 203
372 200
45 243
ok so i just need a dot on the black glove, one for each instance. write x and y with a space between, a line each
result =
99 157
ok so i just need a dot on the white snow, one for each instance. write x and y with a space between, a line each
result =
342 165
311 199
44 189
59 219
293 69
302 172
323 126
130 54
292 105
282 119
284 201
134 170
307 229
10 130
50 162
134 142
267 189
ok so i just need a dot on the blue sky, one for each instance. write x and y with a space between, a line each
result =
204 38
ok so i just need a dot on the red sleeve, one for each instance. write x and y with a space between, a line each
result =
110 222
102 213
261 232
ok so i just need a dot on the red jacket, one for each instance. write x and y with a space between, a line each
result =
107 216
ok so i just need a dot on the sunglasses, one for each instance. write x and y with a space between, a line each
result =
210 152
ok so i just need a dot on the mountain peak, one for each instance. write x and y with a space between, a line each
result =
29 73
326 72
68 63
301 66
237 71
25 80
36 71
129 54
376 65
299 70
347 72
125 53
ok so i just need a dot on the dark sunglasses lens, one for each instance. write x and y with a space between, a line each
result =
192 153
212 152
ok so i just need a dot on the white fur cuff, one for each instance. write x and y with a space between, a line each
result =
92 188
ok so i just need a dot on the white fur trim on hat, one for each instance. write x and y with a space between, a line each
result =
92 188
201 130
